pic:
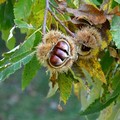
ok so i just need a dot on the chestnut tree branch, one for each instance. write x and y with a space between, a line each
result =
57 19
61 12
45 17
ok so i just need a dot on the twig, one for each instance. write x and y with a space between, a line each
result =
45 17
61 12
57 19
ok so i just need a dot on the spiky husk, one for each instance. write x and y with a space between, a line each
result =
90 37
50 40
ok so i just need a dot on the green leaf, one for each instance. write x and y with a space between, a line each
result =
11 52
6 15
88 77
65 86
52 89
114 4
98 105
97 2
23 24
11 43
115 113
7 55
106 113
77 3
115 30
9 61
11 33
118 1
70 3
7 35
38 38
22 9
92 92
17 56
11 68
37 13
30 71
21 49
26 46
106 62
116 83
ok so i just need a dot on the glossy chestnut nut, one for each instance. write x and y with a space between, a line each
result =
59 54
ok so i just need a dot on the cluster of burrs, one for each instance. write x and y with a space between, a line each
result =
58 52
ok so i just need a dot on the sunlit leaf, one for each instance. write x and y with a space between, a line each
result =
7 35
11 33
76 3
2 1
23 24
14 59
11 68
7 55
65 86
26 46
97 106
22 9
118 1
11 43
93 90
106 113
52 89
37 13
115 30
115 113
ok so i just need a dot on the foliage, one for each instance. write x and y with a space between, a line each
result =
97 78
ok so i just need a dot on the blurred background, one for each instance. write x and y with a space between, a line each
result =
32 104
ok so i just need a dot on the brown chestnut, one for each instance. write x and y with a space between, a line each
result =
59 54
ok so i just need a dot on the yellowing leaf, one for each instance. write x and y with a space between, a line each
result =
93 67
107 37
2 1
103 45
37 18
107 6
37 13
77 87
